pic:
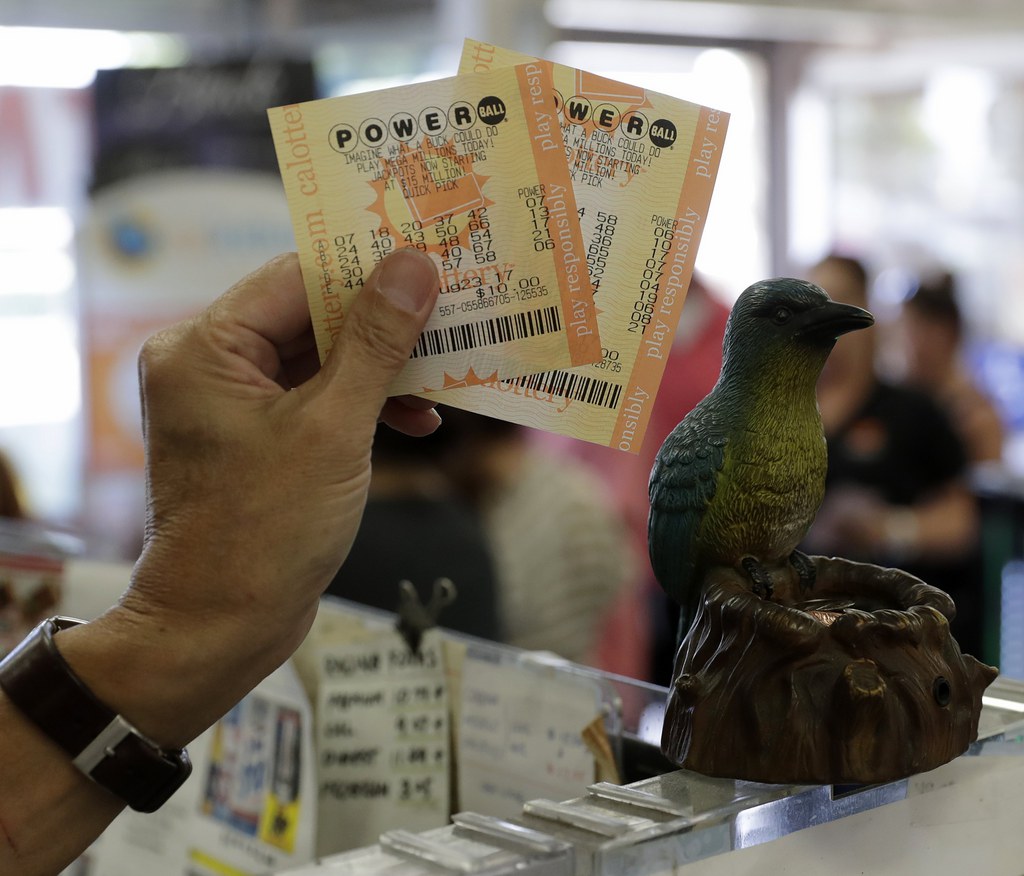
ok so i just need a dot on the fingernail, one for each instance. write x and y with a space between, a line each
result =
408 279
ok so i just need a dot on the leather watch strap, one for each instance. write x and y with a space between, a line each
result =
103 745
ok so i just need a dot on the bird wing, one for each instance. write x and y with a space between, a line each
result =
683 483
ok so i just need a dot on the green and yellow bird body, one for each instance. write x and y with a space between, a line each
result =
738 482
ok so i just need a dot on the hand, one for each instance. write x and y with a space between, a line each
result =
850 523
258 464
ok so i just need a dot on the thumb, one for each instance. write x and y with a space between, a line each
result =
378 334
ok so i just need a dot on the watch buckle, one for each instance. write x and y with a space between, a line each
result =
104 744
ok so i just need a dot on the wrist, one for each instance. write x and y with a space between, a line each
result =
148 681
102 745
170 673
192 635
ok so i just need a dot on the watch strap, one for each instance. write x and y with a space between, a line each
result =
101 743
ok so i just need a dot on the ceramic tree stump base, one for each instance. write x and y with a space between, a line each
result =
855 679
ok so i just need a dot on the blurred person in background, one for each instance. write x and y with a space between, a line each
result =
20 607
638 638
896 491
560 545
11 504
417 526
933 333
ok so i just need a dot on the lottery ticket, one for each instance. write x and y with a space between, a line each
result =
470 170
643 167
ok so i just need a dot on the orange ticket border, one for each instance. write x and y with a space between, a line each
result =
574 286
694 202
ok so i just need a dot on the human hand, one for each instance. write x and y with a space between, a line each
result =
258 463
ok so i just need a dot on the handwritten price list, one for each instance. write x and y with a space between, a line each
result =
382 740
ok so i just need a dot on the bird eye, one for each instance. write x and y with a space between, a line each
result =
781 316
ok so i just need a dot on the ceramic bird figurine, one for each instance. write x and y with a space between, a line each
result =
738 482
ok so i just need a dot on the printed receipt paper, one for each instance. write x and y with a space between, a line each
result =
643 167
470 170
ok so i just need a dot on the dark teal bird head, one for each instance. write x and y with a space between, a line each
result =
786 321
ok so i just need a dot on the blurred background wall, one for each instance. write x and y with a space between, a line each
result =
136 178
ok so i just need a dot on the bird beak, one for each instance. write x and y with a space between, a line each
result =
833 319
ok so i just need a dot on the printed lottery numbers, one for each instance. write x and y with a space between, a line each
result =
654 267
350 265
599 246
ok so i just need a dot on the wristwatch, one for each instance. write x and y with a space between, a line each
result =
102 744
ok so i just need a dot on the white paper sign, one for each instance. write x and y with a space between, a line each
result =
520 736
382 740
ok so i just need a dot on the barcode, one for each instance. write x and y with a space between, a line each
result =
577 387
487 332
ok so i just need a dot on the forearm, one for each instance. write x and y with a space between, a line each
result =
172 669
49 811
170 681
946 525
950 522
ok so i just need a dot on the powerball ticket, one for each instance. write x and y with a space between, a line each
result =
456 168
643 167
